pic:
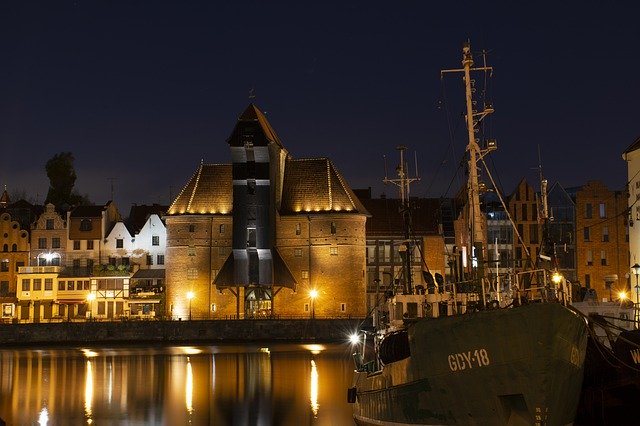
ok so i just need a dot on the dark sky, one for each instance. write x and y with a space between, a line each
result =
143 91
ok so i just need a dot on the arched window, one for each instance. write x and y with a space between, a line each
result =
5 247
14 247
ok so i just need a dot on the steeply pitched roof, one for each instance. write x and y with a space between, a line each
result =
138 215
253 114
635 145
209 191
315 185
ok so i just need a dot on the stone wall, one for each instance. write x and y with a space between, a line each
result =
177 332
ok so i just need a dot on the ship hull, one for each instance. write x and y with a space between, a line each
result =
511 366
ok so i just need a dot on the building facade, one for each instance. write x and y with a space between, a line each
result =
603 243
265 235
49 239
14 253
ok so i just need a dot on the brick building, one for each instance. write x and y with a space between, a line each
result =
602 246
255 237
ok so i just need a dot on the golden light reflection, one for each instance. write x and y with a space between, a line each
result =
189 388
190 350
88 392
89 353
314 389
44 416
314 349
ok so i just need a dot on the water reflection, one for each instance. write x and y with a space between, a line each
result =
224 385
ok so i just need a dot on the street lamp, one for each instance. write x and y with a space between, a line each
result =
313 294
90 298
190 296
636 271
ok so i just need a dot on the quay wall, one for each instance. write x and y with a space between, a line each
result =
178 332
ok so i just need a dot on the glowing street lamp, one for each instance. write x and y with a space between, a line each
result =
313 294
190 296
90 298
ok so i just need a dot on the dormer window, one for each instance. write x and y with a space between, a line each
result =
85 225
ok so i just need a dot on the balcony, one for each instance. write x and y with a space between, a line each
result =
39 269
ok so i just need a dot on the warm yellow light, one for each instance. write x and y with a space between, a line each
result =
190 295
189 388
314 389
622 295
556 278
313 293
91 297
354 338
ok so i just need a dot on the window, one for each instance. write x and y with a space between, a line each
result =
89 244
534 212
222 251
306 307
125 261
61 285
589 258
192 228
4 266
587 280
149 259
79 285
333 251
297 252
251 237
603 258
14 247
605 234
155 240
586 233
305 274
55 242
524 212
333 227
4 288
112 261
298 229
42 243
588 211
533 234
76 244
37 284
19 265
343 307
90 264
191 251
85 225
160 259
603 211
48 284
119 243
87 285
71 285
192 273
26 284
49 224
221 228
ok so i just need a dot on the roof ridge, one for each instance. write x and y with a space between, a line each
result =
195 186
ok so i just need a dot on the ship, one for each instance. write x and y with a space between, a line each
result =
461 353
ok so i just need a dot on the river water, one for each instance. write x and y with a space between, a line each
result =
282 384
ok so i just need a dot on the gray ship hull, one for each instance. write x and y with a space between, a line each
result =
514 366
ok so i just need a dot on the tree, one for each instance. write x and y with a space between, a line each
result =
62 178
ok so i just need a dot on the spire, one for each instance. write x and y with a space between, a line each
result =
4 199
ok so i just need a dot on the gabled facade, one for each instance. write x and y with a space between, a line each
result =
562 229
254 237
523 208
87 230
14 253
48 239
119 247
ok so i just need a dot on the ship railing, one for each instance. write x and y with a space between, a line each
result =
542 285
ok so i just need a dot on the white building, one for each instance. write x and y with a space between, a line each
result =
632 156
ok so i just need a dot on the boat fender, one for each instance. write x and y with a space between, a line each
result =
352 394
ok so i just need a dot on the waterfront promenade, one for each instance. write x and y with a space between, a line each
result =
179 332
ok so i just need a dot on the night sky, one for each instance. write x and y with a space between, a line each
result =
141 92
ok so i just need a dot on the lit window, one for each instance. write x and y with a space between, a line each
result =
297 252
305 274
222 228
603 212
89 244
48 284
26 284
192 273
61 285
333 251
298 229
37 284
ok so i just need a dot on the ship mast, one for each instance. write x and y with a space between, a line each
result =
477 230
406 249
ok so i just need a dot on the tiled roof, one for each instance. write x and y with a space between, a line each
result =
386 219
315 185
209 191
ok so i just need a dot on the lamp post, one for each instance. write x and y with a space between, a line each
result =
190 296
90 298
636 271
313 294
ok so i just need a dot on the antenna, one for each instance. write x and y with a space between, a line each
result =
252 92
111 179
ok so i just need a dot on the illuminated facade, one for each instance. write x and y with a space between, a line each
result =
254 237
14 253
48 239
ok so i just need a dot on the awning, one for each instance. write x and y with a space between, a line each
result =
70 301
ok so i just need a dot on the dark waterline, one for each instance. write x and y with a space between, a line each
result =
281 384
